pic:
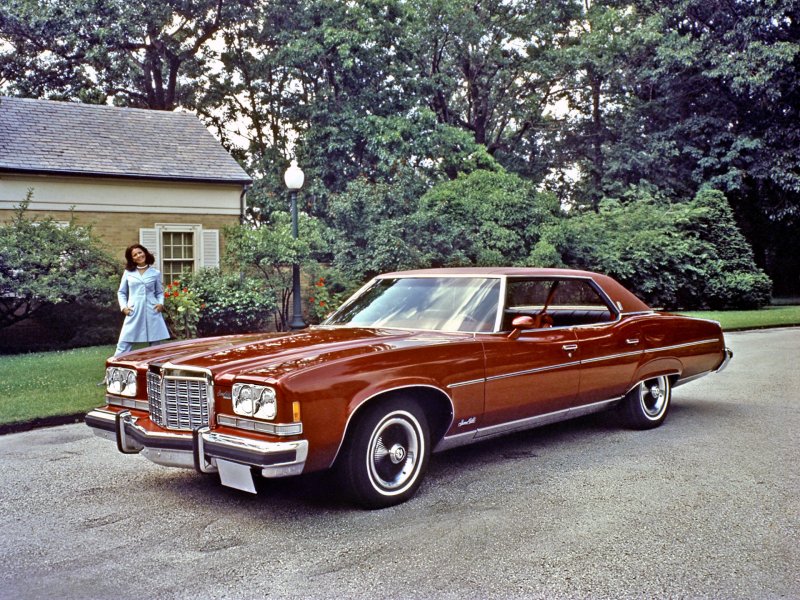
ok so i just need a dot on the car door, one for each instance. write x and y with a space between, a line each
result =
529 373
610 353
609 345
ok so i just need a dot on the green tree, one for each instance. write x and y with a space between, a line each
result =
688 254
482 218
487 67
43 262
152 54
268 251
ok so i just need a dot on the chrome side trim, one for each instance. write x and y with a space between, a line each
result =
686 345
545 419
681 381
611 356
463 383
454 441
532 371
588 409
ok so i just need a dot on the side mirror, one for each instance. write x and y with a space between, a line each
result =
520 323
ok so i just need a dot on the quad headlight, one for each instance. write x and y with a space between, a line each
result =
121 382
254 401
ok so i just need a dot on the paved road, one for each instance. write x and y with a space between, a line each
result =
707 506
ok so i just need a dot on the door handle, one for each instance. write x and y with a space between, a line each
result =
632 341
569 347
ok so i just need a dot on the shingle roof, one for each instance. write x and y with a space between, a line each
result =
43 136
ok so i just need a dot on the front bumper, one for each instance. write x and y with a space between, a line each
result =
202 449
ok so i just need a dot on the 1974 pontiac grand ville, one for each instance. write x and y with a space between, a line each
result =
415 362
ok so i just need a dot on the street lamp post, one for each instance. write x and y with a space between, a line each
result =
294 178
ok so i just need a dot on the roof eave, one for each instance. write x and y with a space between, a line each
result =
128 176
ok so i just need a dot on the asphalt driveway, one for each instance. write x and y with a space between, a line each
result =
707 506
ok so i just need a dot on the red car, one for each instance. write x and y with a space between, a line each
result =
415 362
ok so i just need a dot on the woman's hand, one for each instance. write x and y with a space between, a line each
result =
127 310
159 307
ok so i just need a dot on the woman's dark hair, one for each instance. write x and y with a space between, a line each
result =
148 258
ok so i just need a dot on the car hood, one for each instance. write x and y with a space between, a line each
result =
275 354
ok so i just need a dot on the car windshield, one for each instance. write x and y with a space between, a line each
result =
434 303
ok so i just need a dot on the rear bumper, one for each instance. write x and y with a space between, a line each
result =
726 359
199 449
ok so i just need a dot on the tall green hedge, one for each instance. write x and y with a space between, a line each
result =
687 255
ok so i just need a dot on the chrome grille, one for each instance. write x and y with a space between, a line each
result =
178 402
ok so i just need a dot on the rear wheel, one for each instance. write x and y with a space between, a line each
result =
646 405
387 454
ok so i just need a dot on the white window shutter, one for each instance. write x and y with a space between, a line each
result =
150 239
210 248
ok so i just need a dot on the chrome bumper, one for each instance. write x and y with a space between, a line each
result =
199 449
727 358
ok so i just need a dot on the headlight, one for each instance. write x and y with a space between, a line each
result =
121 382
254 401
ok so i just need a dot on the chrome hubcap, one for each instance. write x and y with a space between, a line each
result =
394 452
397 454
653 396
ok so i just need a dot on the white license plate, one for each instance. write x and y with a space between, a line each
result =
236 476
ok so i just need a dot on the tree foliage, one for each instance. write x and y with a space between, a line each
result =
485 218
268 252
43 262
142 54
233 302
384 102
672 254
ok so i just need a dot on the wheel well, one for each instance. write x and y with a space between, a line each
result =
436 404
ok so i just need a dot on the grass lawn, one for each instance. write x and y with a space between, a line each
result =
48 384
733 320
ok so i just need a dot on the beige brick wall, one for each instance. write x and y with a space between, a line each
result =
120 230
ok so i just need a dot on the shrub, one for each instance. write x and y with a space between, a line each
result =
233 304
327 290
43 262
483 218
182 308
688 255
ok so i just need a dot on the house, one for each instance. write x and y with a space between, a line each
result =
153 177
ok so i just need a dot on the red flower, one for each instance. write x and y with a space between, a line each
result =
311 299
166 294
322 303
185 291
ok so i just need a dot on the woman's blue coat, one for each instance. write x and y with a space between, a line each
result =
141 293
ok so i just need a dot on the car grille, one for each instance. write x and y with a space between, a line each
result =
178 401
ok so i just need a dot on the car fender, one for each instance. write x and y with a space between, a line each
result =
656 367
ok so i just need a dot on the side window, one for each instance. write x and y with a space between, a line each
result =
527 294
556 302
577 294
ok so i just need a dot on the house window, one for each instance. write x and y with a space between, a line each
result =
177 254
181 248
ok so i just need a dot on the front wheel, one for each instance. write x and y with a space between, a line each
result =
387 454
646 405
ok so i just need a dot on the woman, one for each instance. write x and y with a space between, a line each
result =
141 298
